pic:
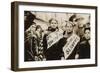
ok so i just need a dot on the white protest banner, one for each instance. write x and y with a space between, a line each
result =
54 37
70 45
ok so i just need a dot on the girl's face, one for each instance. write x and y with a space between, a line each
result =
53 24
39 29
33 27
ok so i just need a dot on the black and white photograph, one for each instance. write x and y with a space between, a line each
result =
53 36
56 36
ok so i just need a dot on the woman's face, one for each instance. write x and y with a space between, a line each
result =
69 28
63 26
87 34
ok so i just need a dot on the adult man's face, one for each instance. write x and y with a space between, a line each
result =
87 34
69 28
53 24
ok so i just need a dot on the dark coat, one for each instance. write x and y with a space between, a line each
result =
30 49
52 52
84 50
55 52
62 43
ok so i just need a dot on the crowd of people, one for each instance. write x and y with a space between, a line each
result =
70 41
